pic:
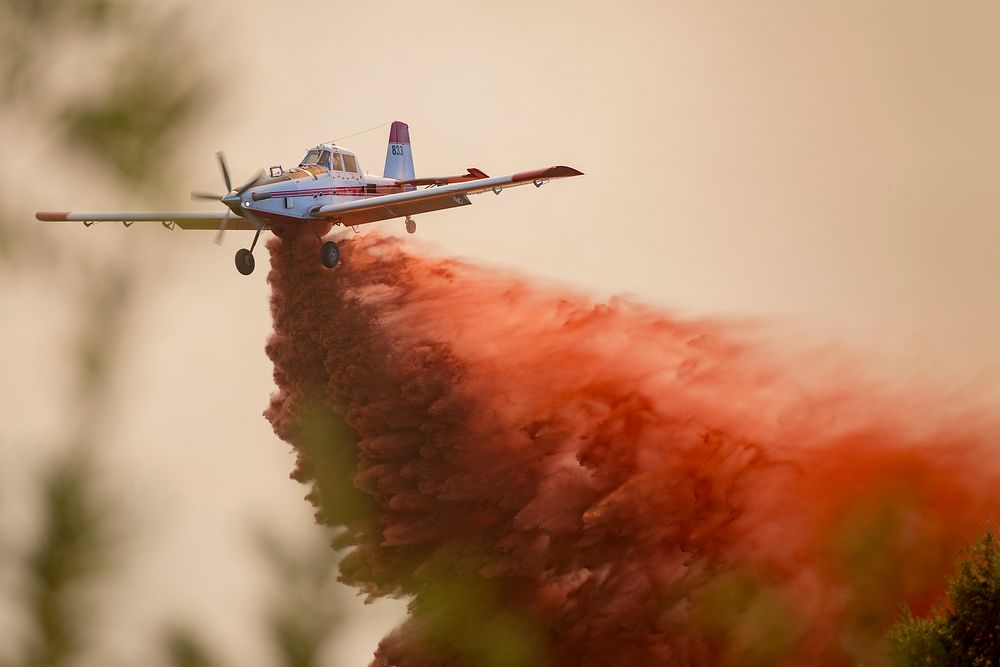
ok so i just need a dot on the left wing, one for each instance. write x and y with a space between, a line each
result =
183 219
432 199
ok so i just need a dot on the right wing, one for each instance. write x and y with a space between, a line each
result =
402 204
183 219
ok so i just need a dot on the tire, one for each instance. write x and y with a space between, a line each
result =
244 261
329 254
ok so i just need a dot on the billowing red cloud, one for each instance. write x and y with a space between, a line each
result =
559 482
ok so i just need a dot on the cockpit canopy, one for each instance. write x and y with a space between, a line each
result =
331 158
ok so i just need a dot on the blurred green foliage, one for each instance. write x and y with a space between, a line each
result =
301 615
130 120
468 621
873 539
328 457
121 86
78 531
118 87
964 631
132 126
29 27
184 648
74 548
746 620
78 546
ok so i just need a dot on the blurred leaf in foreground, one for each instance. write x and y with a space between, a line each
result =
133 126
301 614
74 549
184 648
28 29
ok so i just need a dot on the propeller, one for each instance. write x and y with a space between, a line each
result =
232 195
223 225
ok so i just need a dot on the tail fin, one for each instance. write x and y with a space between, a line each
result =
399 155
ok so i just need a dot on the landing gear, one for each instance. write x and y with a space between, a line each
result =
244 257
244 261
329 254
411 226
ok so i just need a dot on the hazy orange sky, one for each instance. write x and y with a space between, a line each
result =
828 168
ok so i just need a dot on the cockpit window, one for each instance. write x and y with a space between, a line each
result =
350 164
318 158
337 164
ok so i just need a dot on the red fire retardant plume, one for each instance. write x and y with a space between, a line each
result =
565 483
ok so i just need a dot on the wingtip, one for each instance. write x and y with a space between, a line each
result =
52 216
547 173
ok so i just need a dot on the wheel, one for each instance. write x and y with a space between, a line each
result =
329 254
411 226
244 261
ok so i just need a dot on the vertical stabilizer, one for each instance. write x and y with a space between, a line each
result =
399 155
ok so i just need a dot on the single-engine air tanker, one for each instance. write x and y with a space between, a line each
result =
326 189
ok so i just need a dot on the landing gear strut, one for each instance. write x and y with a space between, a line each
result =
244 257
411 226
329 254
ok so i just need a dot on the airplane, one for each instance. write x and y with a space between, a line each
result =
327 189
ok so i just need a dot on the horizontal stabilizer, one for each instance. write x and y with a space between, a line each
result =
472 175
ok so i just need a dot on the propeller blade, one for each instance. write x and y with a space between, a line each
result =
206 195
222 227
225 171
249 184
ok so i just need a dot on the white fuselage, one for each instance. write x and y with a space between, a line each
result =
324 177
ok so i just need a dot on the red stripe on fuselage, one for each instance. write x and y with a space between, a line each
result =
342 191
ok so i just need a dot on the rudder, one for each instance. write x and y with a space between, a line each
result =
399 154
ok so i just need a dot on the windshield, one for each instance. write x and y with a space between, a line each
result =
318 158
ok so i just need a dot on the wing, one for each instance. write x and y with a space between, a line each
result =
183 219
432 199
